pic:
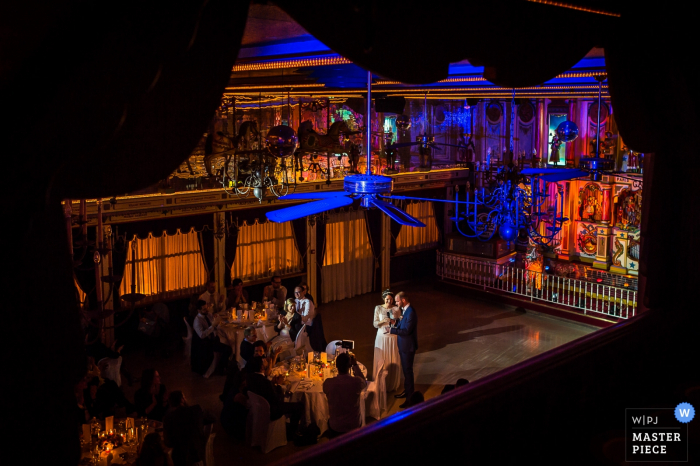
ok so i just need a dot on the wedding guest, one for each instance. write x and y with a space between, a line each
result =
385 344
90 396
216 301
275 292
259 384
152 452
150 399
247 349
305 307
290 323
305 287
206 346
447 388
344 394
109 396
237 295
183 430
81 413
235 413
96 347
461 383
261 349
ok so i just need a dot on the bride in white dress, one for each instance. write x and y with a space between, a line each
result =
385 345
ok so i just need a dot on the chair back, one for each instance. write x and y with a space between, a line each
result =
381 390
302 341
258 419
209 450
189 329
330 348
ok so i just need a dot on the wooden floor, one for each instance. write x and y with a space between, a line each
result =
458 337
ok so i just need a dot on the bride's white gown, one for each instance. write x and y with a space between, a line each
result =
386 348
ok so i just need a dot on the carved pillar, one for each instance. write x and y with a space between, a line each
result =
566 245
220 251
602 255
449 212
311 267
542 134
385 254
571 146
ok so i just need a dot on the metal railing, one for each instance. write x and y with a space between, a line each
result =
577 294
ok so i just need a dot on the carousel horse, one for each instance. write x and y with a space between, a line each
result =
217 146
311 141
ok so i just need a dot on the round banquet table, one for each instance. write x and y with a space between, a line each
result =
231 334
310 392
130 451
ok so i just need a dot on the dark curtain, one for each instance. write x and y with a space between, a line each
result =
119 254
373 223
85 272
376 24
395 230
206 246
230 252
299 230
320 255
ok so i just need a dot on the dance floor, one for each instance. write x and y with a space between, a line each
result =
458 336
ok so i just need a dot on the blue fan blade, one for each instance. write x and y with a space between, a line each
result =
310 208
542 171
316 195
396 214
567 175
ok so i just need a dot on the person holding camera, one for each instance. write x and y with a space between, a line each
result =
344 394
385 345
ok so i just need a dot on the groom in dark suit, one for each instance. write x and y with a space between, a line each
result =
407 331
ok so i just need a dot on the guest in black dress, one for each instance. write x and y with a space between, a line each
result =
150 399
183 429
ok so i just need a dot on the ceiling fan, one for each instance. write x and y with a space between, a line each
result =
594 167
368 189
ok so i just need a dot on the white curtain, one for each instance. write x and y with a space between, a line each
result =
165 266
416 238
265 249
348 264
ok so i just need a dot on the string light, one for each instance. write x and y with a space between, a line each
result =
576 7
276 86
296 63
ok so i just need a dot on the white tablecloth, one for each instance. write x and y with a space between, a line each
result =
232 335
310 392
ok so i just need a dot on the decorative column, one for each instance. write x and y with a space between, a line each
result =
106 269
449 212
542 134
602 255
571 146
311 267
220 251
385 254
566 244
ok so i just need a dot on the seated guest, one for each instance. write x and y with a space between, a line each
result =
110 397
290 323
216 302
81 413
90 396
207 349
305 308
152 452
236 294
306 294
150 399
344 394
235 411
97 349
275 292
461 383
183 430
247 349
261 349
257 382
447 388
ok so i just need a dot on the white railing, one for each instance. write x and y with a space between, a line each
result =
578 294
